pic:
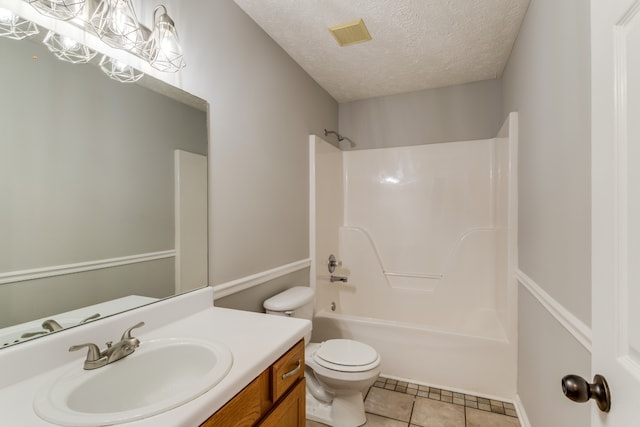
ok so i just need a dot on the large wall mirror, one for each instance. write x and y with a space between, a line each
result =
102 192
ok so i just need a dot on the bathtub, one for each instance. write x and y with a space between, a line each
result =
429 356
449 331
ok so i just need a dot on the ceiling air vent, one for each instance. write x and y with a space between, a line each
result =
350 33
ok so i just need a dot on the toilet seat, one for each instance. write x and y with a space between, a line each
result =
346 356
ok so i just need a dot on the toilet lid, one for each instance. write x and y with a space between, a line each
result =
347 355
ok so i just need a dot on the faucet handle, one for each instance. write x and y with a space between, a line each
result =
127 334
92 355
51 325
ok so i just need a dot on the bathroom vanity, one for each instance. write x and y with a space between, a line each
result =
265 385
275 399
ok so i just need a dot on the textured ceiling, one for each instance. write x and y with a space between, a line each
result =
417 44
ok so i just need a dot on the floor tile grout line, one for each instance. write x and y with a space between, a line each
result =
390 418
414 390
413 405
470 400
408 388
465 417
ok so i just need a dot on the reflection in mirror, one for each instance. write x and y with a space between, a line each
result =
102 189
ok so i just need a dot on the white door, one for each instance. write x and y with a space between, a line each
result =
615 59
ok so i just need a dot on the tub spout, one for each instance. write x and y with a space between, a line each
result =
342 279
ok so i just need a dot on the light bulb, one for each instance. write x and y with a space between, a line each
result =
114 21
118 23
163 48
7 17
119 65
119 71
169 43
68 44
14 27
67 49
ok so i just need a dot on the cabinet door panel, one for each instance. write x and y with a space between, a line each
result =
290 412
246 408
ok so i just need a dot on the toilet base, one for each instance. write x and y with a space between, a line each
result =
343 411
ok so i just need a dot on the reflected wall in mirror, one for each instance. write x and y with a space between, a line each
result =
90 210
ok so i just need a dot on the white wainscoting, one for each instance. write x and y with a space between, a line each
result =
580 331
228 288
59 270
571 323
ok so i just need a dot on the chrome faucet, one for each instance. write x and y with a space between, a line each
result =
114 352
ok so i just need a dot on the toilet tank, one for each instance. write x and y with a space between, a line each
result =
294 302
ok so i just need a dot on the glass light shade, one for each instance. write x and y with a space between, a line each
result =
119 71
60 9
163 49
67 49
115 22
15 27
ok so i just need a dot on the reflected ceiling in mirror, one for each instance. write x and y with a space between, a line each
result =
103 189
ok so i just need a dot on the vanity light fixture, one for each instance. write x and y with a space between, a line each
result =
15 27
115 22
60 9
163 47
118 70
67 49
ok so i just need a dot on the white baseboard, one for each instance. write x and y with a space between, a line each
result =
522 414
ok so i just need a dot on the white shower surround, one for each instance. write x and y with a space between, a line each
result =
427 238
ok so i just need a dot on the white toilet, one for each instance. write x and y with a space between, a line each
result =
338 371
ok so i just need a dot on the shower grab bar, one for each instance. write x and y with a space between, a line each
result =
417 275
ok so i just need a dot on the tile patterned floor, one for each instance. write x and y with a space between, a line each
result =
392 403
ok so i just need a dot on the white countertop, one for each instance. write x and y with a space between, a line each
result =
256 340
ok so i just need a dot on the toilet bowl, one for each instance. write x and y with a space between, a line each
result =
339 371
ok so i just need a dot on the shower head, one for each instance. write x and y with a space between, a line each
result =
327 132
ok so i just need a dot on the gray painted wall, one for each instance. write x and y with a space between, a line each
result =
547 80
87 173
252 299
456 113
38 298
263 107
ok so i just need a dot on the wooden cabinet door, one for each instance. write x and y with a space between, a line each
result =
287 370
246 408
290 412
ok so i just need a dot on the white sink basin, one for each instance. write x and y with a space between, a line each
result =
161 375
